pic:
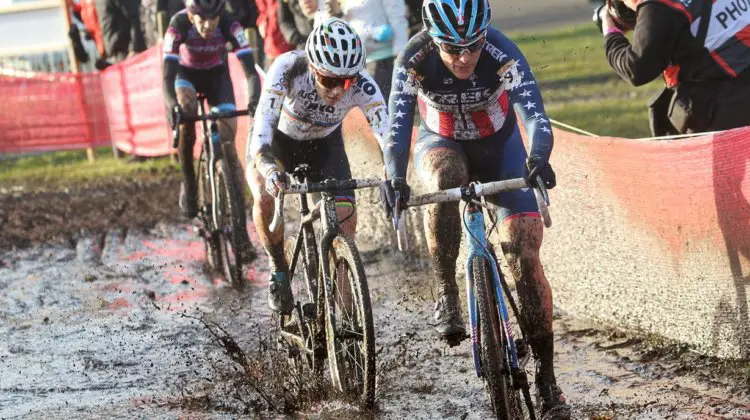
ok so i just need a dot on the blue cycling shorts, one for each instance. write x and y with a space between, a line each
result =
493 158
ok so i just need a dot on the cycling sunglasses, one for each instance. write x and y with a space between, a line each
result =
454 49
334 82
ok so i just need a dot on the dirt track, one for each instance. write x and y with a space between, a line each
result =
89 335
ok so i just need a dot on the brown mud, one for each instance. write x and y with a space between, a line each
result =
105 310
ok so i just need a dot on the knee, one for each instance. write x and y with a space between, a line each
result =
188 102
449 173
522 243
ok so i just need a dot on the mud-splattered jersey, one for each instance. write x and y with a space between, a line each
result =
183 42
463 109
290 103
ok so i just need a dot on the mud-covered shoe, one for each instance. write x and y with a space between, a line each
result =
554 406
188 202
450 325
280 293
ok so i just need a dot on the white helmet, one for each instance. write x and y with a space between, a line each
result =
333 46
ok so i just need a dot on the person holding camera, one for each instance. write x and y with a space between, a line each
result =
702 49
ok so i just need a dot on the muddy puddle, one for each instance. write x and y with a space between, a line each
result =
115 328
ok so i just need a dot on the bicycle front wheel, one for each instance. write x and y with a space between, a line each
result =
205 205
350 333
494 365
228 206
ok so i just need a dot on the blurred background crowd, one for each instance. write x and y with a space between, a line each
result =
105 32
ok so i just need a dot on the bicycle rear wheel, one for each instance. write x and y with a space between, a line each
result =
227 206
349 327
494 364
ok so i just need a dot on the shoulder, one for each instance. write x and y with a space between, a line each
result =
285 68
180 21
500 47
416 50
688 9
366 84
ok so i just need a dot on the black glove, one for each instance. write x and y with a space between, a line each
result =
388 194
537 166
174 113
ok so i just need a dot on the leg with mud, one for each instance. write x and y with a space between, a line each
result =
520 239
186 97
280 294
441 169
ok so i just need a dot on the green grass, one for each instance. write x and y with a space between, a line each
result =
579 87
72 166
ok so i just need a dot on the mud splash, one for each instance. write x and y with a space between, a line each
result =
117 327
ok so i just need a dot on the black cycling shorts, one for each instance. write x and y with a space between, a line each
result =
215 83
326 158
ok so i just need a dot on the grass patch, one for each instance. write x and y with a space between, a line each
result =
579 87
59 168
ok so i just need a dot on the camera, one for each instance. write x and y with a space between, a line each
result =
621 14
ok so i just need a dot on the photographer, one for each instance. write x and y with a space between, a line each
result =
704 62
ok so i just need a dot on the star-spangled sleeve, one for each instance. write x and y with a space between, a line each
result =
524 93
401 105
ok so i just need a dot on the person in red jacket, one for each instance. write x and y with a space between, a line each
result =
274 43
91 22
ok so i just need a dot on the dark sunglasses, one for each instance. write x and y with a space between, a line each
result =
453 49
334 82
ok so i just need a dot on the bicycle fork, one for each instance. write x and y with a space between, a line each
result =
475 236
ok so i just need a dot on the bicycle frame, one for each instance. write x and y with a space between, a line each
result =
476 239
211 139
330 227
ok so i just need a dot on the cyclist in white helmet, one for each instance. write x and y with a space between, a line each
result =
304 99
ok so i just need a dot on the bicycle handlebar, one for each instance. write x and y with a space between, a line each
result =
328 185
473 191
179 119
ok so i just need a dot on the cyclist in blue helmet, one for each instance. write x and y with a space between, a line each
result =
468 78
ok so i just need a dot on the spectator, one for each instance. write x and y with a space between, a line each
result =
274 43
414 16
707 77
383 26
165 9
120 22
91 23
296 20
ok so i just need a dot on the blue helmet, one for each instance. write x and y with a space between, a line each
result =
458 22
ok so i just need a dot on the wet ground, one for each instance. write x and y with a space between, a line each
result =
112 325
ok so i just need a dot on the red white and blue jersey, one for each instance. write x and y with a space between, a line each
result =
458 109
183 42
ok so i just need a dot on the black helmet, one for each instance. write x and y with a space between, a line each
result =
207 8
